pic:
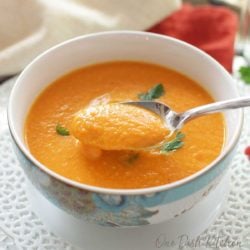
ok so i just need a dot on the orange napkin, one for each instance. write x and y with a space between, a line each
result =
210 28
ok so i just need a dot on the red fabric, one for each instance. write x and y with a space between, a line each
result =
210 28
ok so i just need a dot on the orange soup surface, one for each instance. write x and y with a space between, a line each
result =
113 82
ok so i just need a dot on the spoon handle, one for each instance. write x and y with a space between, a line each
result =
215 107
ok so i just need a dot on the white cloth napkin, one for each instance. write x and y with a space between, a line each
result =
28 27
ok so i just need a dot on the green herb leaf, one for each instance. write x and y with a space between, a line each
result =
132 158
154 93
129 158
245 74
62 130
173 145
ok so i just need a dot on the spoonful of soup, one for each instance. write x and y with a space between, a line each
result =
116 126
138 125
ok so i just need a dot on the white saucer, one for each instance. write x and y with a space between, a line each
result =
92 237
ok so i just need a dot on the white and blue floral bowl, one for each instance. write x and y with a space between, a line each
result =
122 207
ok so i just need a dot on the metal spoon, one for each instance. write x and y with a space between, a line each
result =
174 121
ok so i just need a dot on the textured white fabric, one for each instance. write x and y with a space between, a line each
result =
28 27
21 229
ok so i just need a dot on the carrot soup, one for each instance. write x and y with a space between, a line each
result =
77 128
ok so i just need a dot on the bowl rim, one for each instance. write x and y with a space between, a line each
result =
138 191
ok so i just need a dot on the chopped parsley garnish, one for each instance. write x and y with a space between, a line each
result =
154 93
173 145
132 158
62 130
245 74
